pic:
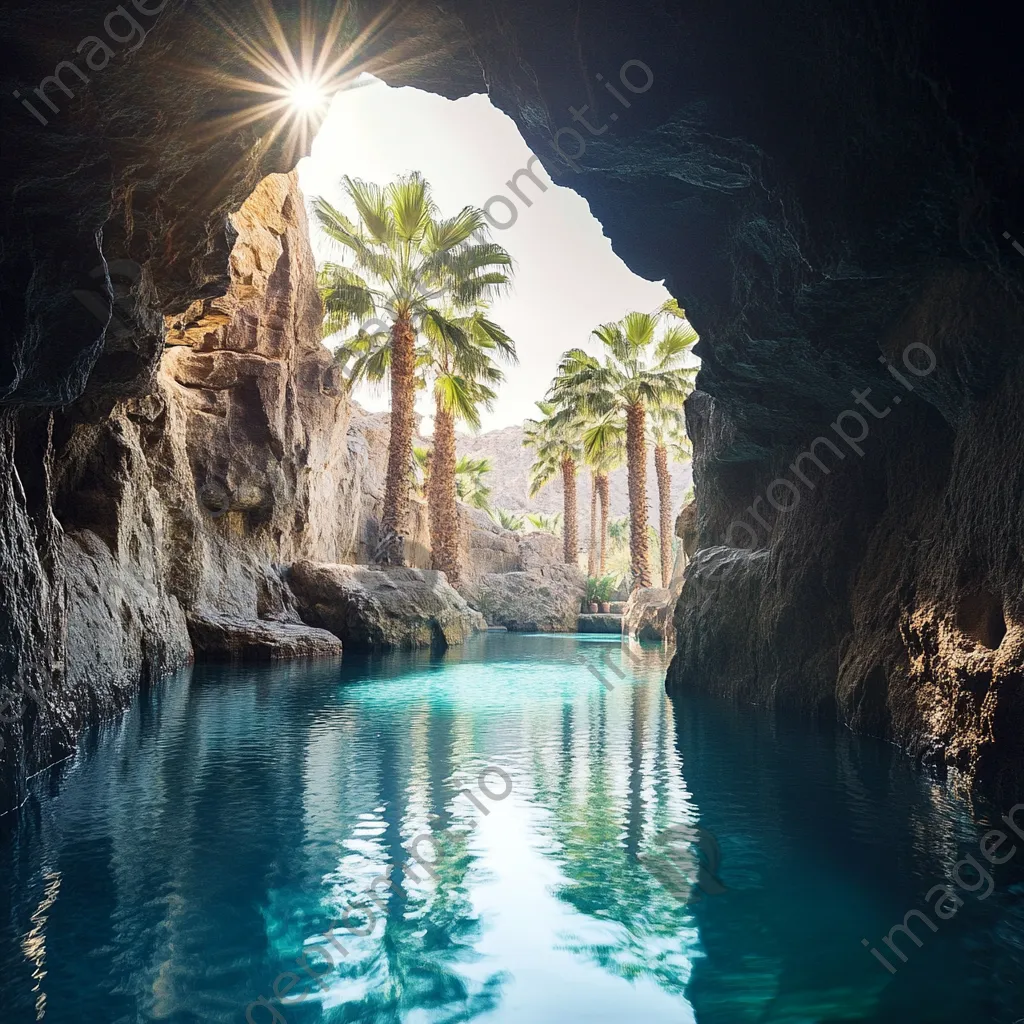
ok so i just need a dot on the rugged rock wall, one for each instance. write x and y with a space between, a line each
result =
889 594
183 503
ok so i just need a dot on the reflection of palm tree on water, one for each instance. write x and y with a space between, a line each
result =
429 927
603 839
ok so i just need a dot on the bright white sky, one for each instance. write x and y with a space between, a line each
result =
567 278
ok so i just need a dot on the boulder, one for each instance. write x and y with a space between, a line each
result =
226 638
484 547
388 608
544 599
686 528
648 614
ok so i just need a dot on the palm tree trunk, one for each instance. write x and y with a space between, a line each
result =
603 495
570 537
391 545
592 550
444 512
636 471
664 511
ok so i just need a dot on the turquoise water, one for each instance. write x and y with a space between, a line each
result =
638 859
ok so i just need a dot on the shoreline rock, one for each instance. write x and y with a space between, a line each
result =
537 600
226 638
391 608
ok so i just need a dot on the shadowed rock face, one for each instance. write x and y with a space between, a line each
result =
819 184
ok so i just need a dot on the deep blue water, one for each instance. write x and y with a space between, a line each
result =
639 859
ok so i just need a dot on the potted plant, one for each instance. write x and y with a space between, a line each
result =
605 589
592 594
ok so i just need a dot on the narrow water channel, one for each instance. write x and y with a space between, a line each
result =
546 837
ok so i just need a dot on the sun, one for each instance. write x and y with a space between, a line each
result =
307 97
294 70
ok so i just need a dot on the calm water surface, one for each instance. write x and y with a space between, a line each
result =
196 852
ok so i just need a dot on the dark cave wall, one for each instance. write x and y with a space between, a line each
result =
819 184
888 595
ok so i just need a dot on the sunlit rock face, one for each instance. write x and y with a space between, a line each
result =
820 185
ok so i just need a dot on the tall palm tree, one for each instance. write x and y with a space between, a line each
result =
592 543
558 449
405 263
668 436
604 449
463 371
640 371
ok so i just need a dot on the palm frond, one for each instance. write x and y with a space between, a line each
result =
411 208
371 203
458 397
444 235
675 343
638 329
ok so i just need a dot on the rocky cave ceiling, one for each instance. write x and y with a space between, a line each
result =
797 171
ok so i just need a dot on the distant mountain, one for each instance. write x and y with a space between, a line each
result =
510 475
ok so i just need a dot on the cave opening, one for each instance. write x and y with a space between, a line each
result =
567 275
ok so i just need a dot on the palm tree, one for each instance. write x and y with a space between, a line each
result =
558 448
546 523
668 435
639 372
506 519
460 362
592 544
604 449
406 264
470 487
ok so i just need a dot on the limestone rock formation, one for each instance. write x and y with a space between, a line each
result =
540 550
485 547
383 609
543 599
226 638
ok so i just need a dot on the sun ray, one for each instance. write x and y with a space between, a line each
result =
296 67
